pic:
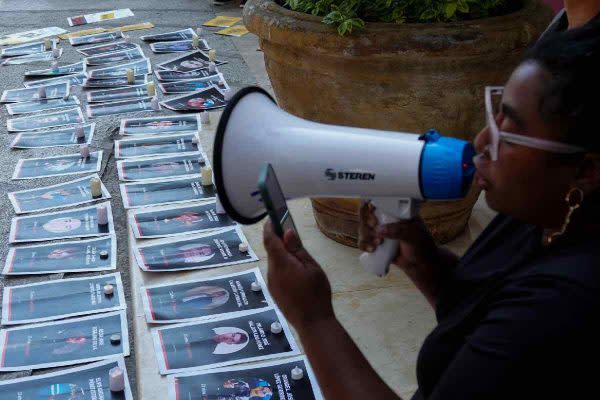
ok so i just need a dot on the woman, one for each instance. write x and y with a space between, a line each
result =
519 314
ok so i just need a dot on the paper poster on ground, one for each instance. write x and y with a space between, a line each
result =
193 85
98 254
70 69
221 342
53 91
33 58
30 36
169 76
63 298
95 38
269 380
199 251
114 82
189 62
202 100
82 383
60 343
107 48
180 46
141 169
205 299
73 80
157 145
53 138
125 56
160 125
222 21
99 17
182 34
123 93
121 107
168 221
31 168
65 194
140 67
44 121
72 223
41 105
26 49
174 190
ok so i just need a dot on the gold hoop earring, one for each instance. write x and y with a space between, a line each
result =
574 200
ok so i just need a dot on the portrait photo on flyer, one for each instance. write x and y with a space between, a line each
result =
222 341
71 223
90 255
54 138
44 121
41 105
267 380
160 145
200 251
53 91
69 164
205 299
69 384
192 85
72 80
174 190
166 221
160 125
61 195
62 298
202 100
67 342
161 167
189 62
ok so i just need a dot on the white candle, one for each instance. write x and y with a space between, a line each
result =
155 104
255 287
297 373
195 41
56 52
204 118
80 132
151 89
276 328
108 289
212 55
207 176
84 150
96 187
41 92
102 215
243 247
130 77
116 379
48 44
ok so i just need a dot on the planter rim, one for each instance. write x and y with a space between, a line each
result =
315 23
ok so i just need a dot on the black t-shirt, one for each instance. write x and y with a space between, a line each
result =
516 320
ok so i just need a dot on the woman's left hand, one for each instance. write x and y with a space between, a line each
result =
296 281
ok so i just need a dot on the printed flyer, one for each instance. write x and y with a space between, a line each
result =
202 300
53 91
41 105
61 195
53 138
30 36
72 223
117 57
269 381
98 254
168 221
169 76
200 251
121 107
192 85
63 298
157 145
61 343
179 46
114 82
33 58
157 125
76 68
222 341
31 168
107 48
122 93
73 80
25 49
182 34
96 38
99 17
140 67
44 121
141 169
189 62
174 190
83 383
202 100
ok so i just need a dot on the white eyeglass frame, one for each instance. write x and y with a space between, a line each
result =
496 135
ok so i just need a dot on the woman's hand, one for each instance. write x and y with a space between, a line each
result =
296 281
418 255
416 245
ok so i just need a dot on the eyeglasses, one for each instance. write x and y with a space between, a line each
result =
493 101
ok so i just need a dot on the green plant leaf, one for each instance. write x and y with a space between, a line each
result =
450 10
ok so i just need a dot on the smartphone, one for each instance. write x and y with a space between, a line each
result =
274 201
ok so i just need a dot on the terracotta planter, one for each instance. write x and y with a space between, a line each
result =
409 77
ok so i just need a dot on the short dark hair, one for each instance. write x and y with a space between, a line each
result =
571 100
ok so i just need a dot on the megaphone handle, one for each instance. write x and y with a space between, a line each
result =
379 261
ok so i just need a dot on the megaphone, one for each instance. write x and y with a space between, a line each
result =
396 171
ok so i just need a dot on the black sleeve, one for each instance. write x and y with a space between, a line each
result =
531 331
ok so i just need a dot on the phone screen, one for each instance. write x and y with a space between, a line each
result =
275 201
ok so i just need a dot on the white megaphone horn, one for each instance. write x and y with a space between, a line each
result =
396 171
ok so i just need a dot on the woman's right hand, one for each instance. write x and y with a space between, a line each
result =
416 246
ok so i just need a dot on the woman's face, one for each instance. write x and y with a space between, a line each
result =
525 183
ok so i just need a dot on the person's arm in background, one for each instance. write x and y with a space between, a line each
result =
580 12
302 292
423 261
